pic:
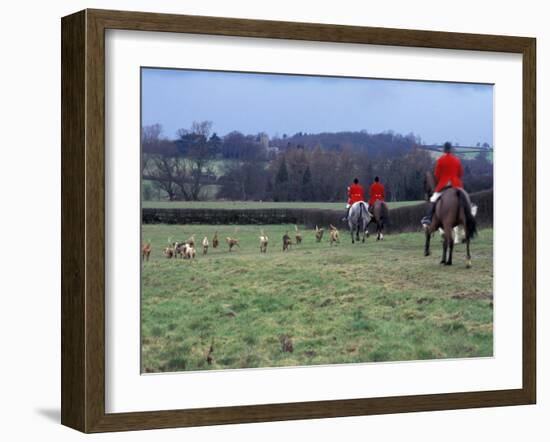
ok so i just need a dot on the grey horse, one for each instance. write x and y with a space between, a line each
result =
358 220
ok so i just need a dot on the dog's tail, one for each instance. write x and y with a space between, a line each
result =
471 225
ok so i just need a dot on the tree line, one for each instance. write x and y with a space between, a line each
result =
199 164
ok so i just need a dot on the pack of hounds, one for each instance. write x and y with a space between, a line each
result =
187 249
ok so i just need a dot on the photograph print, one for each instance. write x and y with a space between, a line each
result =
305 220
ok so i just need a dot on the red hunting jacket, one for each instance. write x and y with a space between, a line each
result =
355 193
376 193
448 169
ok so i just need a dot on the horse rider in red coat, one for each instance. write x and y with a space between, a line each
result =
377 192
355 193
448 173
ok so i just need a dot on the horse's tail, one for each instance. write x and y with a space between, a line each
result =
471 226
363 208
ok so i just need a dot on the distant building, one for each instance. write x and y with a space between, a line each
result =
272 150
264 140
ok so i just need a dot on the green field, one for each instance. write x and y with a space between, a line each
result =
464 153
257 205
379 301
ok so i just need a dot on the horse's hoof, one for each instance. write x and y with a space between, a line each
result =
442 262
469 264
427 253
449 263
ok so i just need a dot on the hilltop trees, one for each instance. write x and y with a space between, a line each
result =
199 164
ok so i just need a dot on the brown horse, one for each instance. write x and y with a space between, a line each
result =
453 208
380 217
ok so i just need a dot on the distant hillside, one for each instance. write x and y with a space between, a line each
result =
385 144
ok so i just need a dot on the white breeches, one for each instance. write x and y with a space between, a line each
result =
435 197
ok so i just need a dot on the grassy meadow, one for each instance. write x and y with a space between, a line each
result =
378 301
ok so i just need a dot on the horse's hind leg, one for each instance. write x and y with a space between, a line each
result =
450 241
427 243
380 235
445 244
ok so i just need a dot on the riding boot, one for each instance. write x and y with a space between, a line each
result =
345 218
427 220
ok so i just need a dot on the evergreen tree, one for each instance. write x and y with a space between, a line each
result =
307 185
281 182
282 173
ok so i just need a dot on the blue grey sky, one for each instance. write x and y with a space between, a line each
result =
279 104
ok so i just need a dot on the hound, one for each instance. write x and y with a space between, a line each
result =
205 245
298 235
215 241
232 242
179 249
286 242
191 241
189 252
145 251
334 235
263 242
319 233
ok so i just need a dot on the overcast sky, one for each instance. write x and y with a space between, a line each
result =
279 104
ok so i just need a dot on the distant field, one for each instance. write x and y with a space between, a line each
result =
465 153
255 205
378 301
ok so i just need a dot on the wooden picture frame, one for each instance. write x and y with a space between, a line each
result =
83 220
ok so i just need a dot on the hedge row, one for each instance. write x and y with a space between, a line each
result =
401 219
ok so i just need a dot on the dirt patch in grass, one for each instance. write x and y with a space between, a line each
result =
473 295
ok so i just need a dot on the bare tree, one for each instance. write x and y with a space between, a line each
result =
168 173
196 147
150 140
